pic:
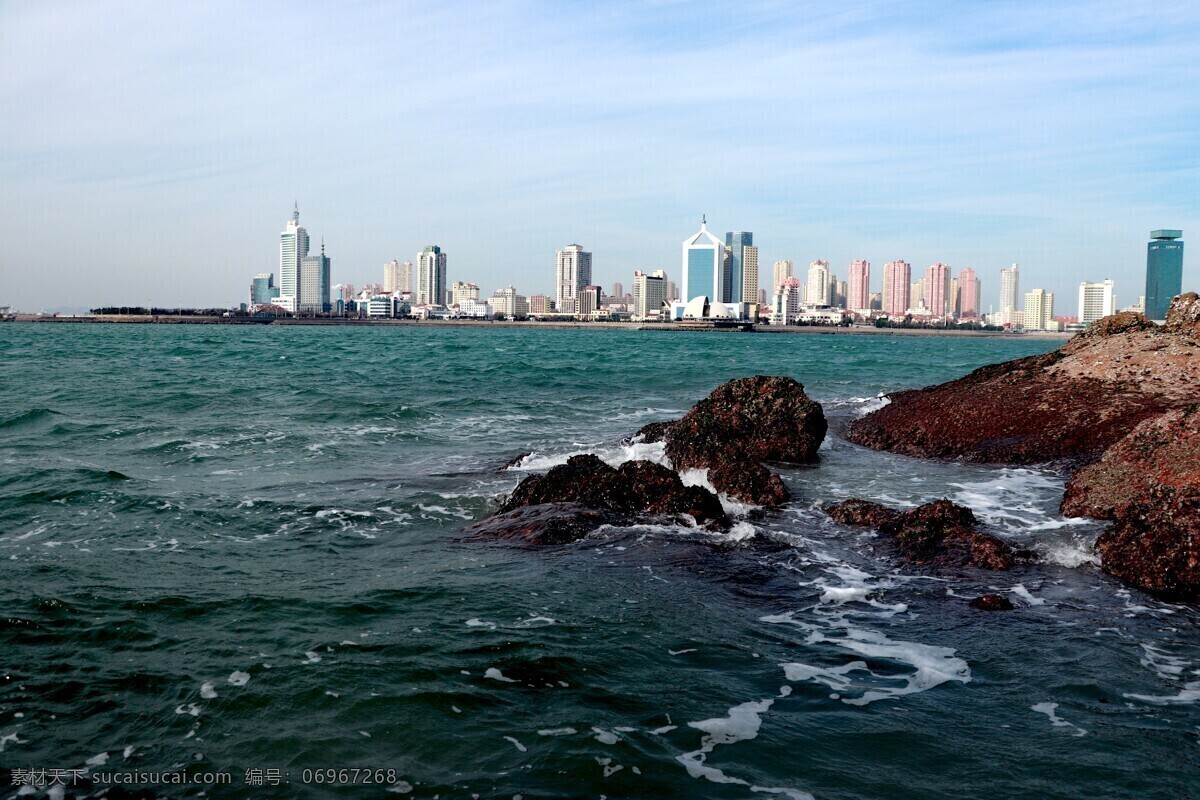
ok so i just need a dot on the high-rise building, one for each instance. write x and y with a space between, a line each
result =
969 305
431 276
783 270
539 304
1096 301
460 291
916 294
786 302
703 263
293 246
1039 311
618 290
858 287
507 303
263 290
936 291
735 244
391 276
573 271
954 300
817 293
312 295
839 295
1010 284
672 292
749 273
649 292
588 302
1164 271
896 290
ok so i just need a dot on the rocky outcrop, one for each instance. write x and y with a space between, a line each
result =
741 424
1162 453
1155 545
940 534
992 602
1067 405
636 487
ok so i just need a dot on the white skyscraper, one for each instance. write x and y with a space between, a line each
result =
431 276
293 247
1009 286
750 274
703 265
1096 301
782 271
817 288
572 272
649 291
397 277
1039 311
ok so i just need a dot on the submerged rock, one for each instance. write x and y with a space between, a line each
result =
992 602
1070 404
636 487
545 523
940 533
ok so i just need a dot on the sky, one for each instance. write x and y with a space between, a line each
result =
151 152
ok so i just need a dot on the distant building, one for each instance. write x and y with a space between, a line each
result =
734 271
749 273
969 304
293 246
916 295
672 291
858 287
263 290
431 276
649 292
876 301
573 271
472 308
540 304
1096 301
703 263
1164 271
506 303
786 302
896 288
618 289
1010 284
936 289
1039 311
782 271
460 291
588 302
314 286
817 288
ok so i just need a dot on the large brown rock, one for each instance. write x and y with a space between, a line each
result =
1155 546
940 534
1070 404
742 423
1162 452
1183 317
636 487
545 523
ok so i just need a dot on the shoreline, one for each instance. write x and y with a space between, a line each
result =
161 319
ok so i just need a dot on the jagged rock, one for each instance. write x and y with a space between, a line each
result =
743 422
546 523
940 533
1155 545
635 487
514 461
862 512
1067 405
1162 453
654 432
1183 317
992 602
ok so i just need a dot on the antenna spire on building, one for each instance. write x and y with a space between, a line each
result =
322 244
296 210
703 220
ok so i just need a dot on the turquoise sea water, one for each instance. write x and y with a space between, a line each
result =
233 548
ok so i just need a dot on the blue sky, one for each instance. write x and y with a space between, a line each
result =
151 152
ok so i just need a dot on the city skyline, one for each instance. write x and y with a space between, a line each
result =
1025 133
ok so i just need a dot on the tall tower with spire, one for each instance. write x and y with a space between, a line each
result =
703 264
293 247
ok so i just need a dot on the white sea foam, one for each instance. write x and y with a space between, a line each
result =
612 455
557 732
1020 591
312 657
497 675
476 622
517 744
1049 710
238 678
98 760
605 737
207 691
1190 693
741 724
188 708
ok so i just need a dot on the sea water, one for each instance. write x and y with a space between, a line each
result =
231 548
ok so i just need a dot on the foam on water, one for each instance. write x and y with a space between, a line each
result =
238 678
207 691
1049 710
613 455
495 674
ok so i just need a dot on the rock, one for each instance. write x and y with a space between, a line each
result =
743 422
514 461
637 487
862 512
1155 546
1183 317
653 432
1029 410
545 523
941 533
1162 452
992 602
